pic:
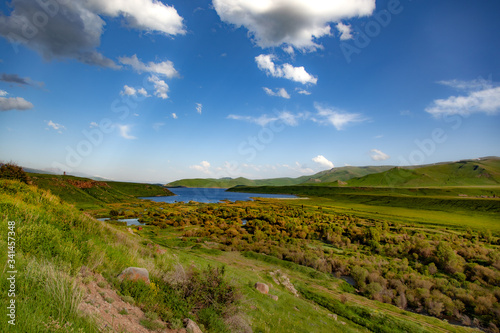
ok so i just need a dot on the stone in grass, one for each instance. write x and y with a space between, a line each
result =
191 326
134 274
273 297
262 287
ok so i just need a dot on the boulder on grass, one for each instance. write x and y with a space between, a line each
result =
262 287
273 297
191 326
134 274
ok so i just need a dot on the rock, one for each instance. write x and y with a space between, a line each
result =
191 326
273 297
296 308
281 279
332 315
131 231
161 251
134 274
262 287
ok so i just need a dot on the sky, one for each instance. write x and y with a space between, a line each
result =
156 91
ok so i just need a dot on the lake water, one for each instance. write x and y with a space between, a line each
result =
129 221
212 195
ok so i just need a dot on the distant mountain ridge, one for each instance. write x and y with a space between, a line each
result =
481 171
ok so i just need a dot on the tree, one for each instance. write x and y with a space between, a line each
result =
14 172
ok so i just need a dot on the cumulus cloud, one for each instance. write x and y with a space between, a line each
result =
344 30
130 91
339 119
174 115
3 93
13 103
93 124
280 92
286 117
199 107
302 91
161 88
16 79
125 132
73 28
265 62
148 15
165 68
294 22
377 155
480 97
57 127
204 167
323 161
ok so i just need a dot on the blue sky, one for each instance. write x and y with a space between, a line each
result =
157 91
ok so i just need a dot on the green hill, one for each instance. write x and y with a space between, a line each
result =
480 172
88 192
232 182
327 176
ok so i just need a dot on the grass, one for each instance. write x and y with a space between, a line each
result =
55 240
87 193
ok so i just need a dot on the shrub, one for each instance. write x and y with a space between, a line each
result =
13 172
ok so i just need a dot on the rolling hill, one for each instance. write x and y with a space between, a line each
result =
480 172
477 172
87 192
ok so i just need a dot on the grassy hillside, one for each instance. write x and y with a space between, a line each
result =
86 192
231 182
463 173
343 174
481 172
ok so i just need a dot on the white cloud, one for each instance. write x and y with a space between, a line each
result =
377 155
280 92
405 113
130 91
339 119
55 126
124 132
293 22
143 92
161 87
149 15
321 160
473 85
75 32
165 68
289 49
286 117
299 168
345 31
265 62
302 91
204 167
174 115
14 103
199 107
481 97
93 124
3 93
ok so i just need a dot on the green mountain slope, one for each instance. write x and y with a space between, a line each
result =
479 172
345 173
86 192
231 182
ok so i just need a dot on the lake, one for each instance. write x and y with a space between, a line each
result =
212 195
